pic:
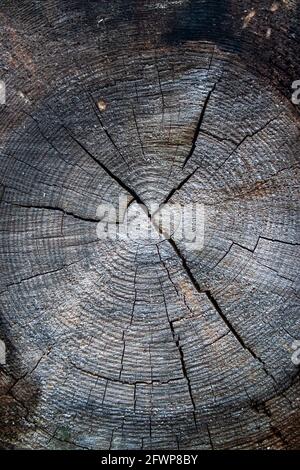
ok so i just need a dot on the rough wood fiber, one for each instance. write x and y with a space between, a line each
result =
136 345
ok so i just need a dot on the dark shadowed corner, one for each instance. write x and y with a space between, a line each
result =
19 395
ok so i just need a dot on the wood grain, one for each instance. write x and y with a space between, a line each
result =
136 344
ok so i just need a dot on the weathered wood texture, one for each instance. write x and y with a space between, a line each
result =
135 345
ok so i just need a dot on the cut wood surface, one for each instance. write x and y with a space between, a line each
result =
131 344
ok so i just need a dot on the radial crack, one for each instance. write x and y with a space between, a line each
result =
196 134
138 133
106 131
29 372
47 139
135 297
237 335
177 188
40 274
125 382
278 241
248 136
104 167
218 309
123 354
176 339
